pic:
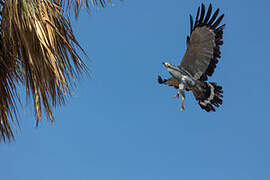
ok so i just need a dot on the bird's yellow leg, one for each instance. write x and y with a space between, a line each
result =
183 99
182 106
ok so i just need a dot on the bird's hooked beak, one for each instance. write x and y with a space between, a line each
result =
166 64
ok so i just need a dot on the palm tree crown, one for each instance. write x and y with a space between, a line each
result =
39 50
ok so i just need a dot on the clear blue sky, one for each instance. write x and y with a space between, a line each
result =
122 125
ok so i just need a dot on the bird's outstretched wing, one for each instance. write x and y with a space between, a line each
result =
203 45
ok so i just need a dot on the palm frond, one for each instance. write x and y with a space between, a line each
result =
8 96
9 76
77 4
46 48
38 49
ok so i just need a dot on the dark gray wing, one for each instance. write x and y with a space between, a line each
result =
203 45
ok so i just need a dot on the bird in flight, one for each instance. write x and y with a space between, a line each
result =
199 61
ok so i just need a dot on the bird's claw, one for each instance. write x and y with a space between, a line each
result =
177 95
182 108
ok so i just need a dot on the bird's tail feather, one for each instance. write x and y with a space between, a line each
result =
208 94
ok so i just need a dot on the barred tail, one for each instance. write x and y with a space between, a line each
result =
208 94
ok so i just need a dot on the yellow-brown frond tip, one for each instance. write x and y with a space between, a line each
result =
8 96
78 4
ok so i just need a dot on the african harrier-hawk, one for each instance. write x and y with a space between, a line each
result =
199 61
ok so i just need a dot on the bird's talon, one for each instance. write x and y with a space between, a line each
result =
182 108
176 96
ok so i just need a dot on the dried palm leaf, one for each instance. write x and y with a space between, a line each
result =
9 76
38 48
43 41
8 96
77 4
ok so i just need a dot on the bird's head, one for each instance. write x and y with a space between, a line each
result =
170 67
167 65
